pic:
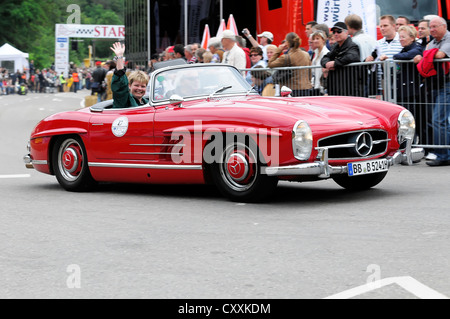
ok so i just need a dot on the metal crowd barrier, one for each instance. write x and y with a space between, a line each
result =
395 81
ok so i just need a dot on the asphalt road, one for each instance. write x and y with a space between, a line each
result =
314 240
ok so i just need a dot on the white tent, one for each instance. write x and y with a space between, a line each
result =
10 58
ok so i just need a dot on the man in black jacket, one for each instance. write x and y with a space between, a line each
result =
423 29
98 77
341 81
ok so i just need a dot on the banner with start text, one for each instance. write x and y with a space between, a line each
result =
332 11
63 33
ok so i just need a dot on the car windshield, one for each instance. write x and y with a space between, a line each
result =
197 81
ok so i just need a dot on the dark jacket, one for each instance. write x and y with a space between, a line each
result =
338 79
98 76
409 52
424 41
121 92
408 78
342 55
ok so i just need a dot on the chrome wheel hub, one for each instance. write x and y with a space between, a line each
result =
239 167
70 160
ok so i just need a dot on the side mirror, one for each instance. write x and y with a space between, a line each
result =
176 100
285 91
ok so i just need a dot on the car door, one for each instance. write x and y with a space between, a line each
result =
122 135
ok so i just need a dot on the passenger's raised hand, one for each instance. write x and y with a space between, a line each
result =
118 48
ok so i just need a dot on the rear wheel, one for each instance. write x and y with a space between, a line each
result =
70 164
238 174
361 182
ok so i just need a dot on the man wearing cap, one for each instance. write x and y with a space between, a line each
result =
233 55
343 53
265 39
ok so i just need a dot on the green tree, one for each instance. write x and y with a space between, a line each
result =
30 26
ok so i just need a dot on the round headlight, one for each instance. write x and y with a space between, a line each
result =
406 126
302 140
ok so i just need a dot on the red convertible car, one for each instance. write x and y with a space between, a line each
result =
205 124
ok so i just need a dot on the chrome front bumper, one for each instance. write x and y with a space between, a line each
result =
322 169
28 161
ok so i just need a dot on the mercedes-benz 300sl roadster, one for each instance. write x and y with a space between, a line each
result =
205 124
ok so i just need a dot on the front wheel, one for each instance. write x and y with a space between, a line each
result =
238 174
361 182
70 164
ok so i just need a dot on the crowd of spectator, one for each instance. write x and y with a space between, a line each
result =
44 81
328 49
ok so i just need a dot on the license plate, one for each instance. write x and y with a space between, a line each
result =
367 167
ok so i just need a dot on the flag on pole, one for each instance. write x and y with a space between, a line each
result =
205 38
222 27
231 25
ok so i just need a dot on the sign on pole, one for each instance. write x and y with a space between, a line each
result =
63 32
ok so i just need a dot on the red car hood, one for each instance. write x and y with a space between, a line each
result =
319 112
315 110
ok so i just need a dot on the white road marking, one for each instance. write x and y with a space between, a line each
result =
406 282
16 176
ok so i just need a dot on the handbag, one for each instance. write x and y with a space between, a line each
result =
283 76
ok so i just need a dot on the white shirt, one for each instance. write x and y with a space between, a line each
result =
388 48
235 57
317 72
366 44
264 49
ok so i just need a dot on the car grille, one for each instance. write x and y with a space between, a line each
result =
355 145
